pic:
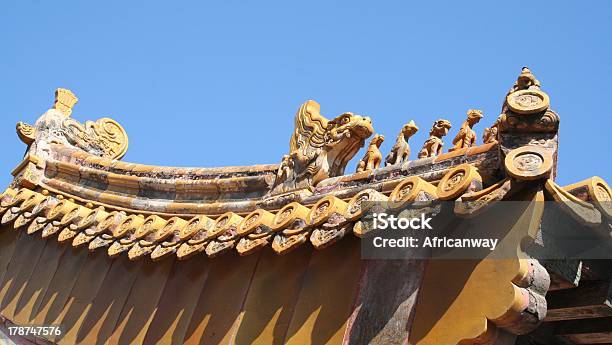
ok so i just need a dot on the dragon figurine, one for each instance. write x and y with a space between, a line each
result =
320 148
104 137
373 157
400 151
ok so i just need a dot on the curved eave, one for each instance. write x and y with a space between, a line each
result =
187 192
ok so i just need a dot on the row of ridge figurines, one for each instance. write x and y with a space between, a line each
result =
433 145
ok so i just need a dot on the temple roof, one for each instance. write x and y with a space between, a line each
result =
72 187
72 184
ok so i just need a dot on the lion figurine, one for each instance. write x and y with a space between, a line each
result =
433 146
373 157
400 151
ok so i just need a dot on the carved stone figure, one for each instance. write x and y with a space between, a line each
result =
373 157
104 137
527 109
525 81
466 136
320 148
525 96
433 146
26 133
285 169
490 133
400 151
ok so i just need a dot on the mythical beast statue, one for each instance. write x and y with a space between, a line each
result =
467 137
433 146
104 137
320 148
400 152
373 157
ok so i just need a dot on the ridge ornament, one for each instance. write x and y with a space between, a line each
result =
400 152
320 148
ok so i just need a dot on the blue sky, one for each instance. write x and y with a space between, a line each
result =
217 83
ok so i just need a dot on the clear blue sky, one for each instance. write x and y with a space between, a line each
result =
217 83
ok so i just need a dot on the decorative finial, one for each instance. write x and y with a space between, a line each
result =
401 150
26 133
525 97
525 81
64 101
433 146
373 156
466 136
319 148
